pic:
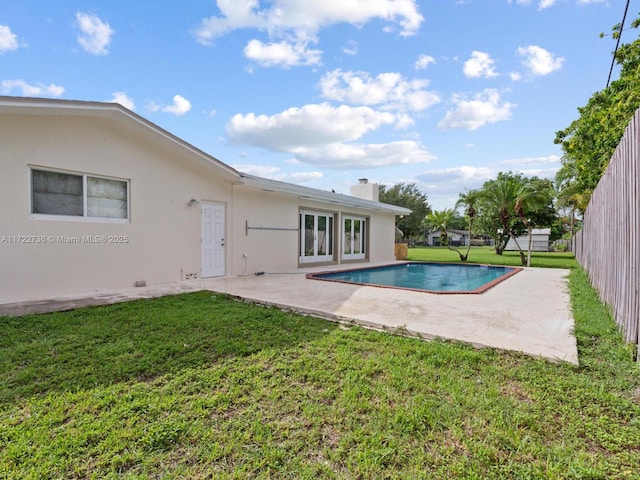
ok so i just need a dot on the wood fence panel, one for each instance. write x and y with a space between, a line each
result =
607 246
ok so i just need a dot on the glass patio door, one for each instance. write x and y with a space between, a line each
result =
353 238
316 237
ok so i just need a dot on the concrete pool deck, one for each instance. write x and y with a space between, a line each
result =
528 312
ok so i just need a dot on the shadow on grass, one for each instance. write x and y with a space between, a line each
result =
139 340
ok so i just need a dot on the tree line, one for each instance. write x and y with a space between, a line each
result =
508 206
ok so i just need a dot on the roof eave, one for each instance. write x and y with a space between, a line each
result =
113 111
314 194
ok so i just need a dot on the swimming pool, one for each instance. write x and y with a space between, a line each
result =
425 277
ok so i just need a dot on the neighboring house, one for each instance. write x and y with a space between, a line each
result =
95 197
456 237
539 241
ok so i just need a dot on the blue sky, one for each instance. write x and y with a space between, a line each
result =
441 93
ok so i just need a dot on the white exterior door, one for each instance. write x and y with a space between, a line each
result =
213 239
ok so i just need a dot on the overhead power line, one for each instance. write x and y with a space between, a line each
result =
613 60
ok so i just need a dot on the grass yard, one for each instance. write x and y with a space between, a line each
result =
202 386
487 255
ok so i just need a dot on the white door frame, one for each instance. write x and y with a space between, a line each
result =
213 239
354 242
316 245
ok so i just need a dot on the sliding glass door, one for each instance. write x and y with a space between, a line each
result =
316 237
353 238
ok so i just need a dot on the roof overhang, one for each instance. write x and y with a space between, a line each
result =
314 194
118 114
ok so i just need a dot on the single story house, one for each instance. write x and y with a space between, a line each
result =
96 197
539 241
456 237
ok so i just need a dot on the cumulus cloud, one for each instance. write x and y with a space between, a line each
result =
445 184
423 62
543 167
464 175
515 76
306 16
469 177
95 35
372 155
538 60
546 4
123 99
323 135
282 54
28 90
480 65
8 39
350 48
179 107
310 125
292 24
484 108
391 91
543 4
276 173
529 161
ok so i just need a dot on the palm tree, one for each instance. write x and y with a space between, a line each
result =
510 198
527 199
468 200
499 196
570 194
440 220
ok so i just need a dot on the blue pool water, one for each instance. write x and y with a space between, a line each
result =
433 277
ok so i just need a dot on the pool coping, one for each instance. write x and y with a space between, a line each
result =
477 291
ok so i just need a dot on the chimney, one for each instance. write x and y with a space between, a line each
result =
365 190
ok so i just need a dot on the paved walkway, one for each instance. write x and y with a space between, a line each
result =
528 312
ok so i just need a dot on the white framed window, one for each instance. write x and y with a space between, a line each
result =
354 233
316 237
56 194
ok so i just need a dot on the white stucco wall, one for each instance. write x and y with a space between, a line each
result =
163 235
273 244
161 241
382 237
266 249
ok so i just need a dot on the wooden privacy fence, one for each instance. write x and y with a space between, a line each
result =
608 247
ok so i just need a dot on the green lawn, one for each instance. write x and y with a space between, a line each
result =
487 255
202 386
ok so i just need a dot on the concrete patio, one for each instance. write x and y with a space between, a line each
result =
527 313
